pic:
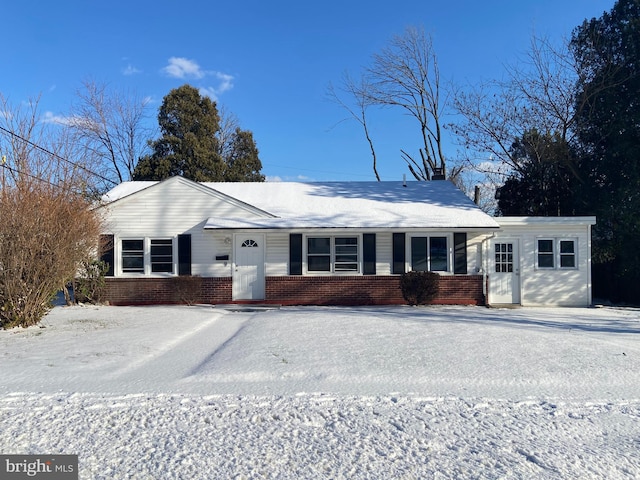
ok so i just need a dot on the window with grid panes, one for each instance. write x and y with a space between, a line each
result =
504 257
161 255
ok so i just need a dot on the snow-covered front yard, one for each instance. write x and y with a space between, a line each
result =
393 392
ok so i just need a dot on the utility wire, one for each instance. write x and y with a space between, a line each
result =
58 156
18 172
43 180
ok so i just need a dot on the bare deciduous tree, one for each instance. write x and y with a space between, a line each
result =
110 126
405 76
538 94
229 123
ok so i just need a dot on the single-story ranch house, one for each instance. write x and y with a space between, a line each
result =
334 243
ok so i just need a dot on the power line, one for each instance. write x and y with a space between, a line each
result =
35 177
19 172
102 177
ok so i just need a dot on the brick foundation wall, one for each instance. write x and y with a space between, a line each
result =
366 290
293 290
342 290
460 290
159 291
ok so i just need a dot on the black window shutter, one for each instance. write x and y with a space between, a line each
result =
369 254
460 253
398 253
184 254
105 250
295 254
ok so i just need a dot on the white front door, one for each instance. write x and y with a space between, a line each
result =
504 272
248 271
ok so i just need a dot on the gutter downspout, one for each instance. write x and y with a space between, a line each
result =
590 285
485 267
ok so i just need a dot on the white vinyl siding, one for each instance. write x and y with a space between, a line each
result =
277 254
384 249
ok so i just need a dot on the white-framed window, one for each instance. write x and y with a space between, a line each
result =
132 255
546 253
161 253
147 256
430 253
556 253
333 254
568 254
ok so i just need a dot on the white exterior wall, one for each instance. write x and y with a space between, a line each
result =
203 254
544 286
277 254
384 253
474 252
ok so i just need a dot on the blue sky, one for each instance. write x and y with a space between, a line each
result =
269 62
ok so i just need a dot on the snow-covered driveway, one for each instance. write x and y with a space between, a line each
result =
393 392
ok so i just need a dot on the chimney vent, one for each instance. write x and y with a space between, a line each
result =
438 173
476 195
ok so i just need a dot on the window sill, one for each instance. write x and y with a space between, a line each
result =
144 275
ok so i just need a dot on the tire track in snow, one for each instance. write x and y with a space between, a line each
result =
183 355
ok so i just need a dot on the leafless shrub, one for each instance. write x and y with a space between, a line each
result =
45 232
187 288
48 226
89 283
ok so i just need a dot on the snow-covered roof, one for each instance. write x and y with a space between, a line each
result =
125 189
435 204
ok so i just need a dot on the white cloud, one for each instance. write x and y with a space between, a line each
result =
225 84
130 70
180 67
208 92
184 68
50 117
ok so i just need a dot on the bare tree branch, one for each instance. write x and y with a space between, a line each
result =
403 76
539 93
358 112
110 125
406 75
